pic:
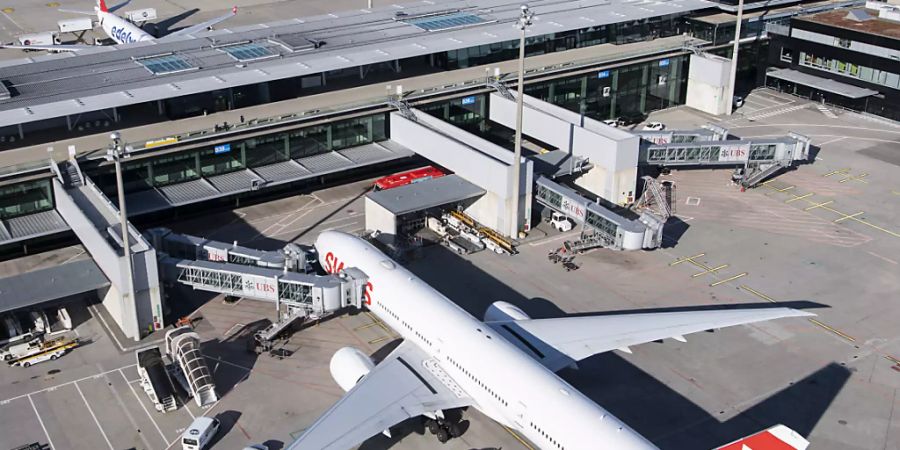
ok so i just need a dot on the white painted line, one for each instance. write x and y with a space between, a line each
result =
73 257
882 257
94 416
188 409
11 20
125 409
552 239
144 408
41 421
53 388
831 141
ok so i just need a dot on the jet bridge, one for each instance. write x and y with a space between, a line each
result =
601 226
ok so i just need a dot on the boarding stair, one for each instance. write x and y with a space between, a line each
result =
756 173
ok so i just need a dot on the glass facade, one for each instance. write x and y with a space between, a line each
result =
26 198
244 153
277 90
848 69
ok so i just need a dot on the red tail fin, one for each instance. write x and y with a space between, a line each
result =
102 5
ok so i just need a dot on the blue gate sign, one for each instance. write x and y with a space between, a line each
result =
603 74
468 100
664 62
224 148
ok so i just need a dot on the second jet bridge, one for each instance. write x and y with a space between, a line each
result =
600 225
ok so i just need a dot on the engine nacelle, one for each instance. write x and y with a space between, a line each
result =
503 311
348 366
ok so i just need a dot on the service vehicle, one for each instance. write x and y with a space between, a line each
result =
654 126
612 122
49 350
560 222
200 433
408 177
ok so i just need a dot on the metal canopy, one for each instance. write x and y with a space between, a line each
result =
426 194
822 84
53 283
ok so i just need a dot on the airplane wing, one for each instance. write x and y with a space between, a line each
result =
402 386
51 48
205 25
558 343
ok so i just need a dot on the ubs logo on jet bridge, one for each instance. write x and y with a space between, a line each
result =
334 265
122 35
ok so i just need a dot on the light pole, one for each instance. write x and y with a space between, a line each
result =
116 152
734 57
523 23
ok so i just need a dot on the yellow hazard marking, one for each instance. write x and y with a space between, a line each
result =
835 172
791 200
757 293
837 332
740 275
712 270
521 441
855 178
819 205
690 258
53 4
848 216
9 10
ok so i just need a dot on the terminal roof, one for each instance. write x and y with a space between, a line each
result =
58 85
56 282
874 25
426 194
824 84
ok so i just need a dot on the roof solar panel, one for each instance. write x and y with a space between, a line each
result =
161 65
445 21
248 52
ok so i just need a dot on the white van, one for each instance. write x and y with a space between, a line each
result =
198 435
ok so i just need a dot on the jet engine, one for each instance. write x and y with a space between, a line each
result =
503 312
348 366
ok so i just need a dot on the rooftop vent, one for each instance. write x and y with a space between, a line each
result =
296 42
858 15
444 21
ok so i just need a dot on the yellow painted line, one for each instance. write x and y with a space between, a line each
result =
897 235
521 441
785 189
740 275
835 172
855 178
381 339
895 192
757 293
848 216
681 260
837 332
892 359
53 4
368 325
713 270
9 10
818 205
766 183
799 198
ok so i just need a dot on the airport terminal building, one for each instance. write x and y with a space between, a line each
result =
238 115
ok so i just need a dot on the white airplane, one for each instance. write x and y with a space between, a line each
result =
504 367
120 30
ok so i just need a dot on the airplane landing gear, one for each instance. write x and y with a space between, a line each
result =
443 429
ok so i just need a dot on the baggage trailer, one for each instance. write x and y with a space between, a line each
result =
50 350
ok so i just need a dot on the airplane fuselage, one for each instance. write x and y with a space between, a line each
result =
121 30
506 384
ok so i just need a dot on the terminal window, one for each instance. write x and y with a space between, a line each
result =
161 65
248 52
445 21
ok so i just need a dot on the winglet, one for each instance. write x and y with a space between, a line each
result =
778 437
101 5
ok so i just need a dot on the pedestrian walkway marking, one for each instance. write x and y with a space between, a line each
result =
827 112
776 112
